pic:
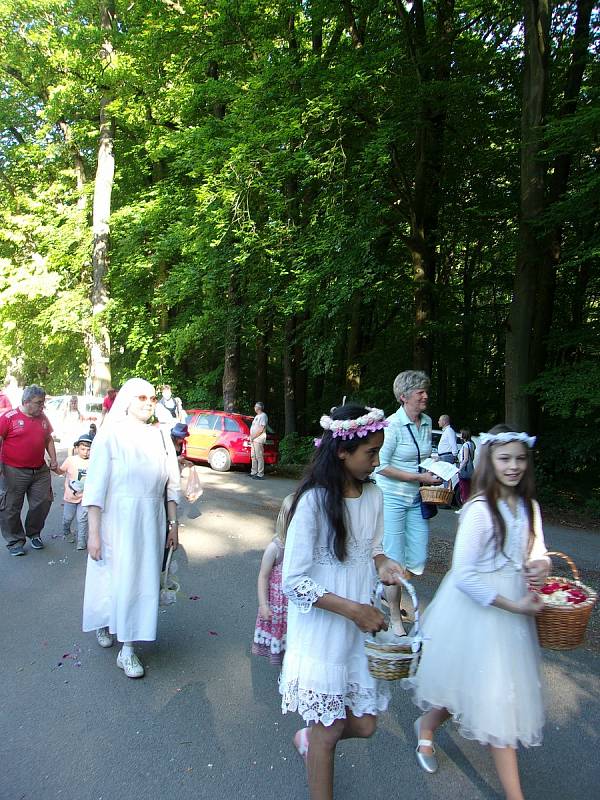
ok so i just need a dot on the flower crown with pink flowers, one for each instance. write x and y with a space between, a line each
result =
373 421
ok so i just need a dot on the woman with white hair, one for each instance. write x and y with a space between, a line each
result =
407 442
132 463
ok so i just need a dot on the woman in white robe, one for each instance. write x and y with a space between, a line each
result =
131 465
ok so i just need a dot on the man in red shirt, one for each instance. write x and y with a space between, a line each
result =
5 404
107 403
25 438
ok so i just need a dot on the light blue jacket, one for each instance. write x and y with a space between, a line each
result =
399 451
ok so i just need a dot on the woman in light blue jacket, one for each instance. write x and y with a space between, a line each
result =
407 442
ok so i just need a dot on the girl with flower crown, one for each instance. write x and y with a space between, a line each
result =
333 546
480 663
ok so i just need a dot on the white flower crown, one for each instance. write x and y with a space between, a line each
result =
374 420
508 436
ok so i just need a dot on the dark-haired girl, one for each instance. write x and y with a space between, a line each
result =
480 662
335 529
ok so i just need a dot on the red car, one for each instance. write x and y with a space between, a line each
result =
223 439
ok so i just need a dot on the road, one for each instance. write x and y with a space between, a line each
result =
205 722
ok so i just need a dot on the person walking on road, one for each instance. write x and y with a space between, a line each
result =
25 438
407 442
333 538
481 661
271 620
258 437
108 402
74 468
5 403
447 446
172 404
132 465
466 461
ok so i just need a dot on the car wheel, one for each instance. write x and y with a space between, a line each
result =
219 459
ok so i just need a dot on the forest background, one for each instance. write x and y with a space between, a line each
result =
294 201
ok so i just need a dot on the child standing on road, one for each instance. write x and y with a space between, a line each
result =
480 662
334 533
74 469
271 621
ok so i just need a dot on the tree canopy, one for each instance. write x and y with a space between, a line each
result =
307 199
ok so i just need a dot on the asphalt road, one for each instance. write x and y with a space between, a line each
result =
205 722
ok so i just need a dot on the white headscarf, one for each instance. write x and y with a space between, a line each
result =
131 389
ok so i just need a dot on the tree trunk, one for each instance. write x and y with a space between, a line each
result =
231 367
558 184
530 260
353 345
262 360
289 399
432 59
300 376
99 338
231 375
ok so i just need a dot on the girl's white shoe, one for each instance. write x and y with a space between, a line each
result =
130 664
427 763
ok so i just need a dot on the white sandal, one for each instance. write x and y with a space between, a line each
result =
301 742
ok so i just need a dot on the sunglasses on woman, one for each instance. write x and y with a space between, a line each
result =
144 397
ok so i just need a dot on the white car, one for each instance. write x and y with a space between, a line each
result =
56 407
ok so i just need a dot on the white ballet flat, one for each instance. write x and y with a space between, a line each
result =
427 763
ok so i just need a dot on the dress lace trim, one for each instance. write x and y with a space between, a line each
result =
357 554
326 708
305 593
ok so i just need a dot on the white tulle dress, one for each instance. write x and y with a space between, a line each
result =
325 668
480 662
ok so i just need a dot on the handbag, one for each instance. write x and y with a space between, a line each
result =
428 510
465 473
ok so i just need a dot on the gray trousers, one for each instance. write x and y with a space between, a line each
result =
257 450
17 484
76 511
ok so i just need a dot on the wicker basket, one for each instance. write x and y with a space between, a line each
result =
436 495
563 627
390 661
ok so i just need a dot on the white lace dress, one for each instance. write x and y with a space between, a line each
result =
325 668
479 661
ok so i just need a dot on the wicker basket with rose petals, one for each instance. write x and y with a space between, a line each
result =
436 495
568 604
391 657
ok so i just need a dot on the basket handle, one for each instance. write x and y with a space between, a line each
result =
165 573
569 561
413 596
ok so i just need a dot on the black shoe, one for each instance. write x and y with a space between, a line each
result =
36 543
259 477
16 550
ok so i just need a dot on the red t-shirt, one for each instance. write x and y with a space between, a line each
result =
5 404
25 439
107 403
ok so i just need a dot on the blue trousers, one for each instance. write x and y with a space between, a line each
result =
76 511
405 532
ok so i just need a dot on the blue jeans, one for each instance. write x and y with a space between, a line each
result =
405 532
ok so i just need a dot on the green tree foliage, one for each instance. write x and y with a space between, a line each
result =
264 204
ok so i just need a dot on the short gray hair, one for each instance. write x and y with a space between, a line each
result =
409 381
29 392
260 405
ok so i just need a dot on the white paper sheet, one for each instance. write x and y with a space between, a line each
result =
442 469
